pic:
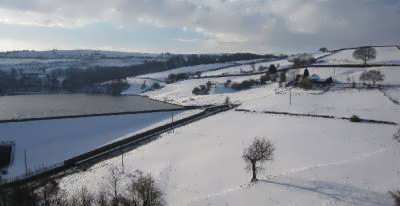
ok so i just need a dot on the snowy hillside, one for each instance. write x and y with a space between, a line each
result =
62 59
71 54
318 161
350 74
246 68
386 55
143 83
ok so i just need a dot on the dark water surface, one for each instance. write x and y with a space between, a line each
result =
54 105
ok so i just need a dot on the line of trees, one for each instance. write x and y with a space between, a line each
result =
139 190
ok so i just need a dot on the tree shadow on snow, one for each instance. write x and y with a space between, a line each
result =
347 194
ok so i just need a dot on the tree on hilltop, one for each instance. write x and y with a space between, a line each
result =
365 54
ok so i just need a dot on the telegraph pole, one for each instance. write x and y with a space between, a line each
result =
290 96
26 163
122 162
172 122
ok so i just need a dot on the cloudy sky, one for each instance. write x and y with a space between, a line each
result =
197 26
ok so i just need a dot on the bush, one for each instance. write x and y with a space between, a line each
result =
201 90
272 69
197 74
208 85
227 83
117 86
196 91
355 118
177 77
302 59
265 78
329 80
246 84
262 68
372 76
282 77
305 84
155 86
323 49
306 73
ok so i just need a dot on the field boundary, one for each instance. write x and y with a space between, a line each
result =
184 108
361 120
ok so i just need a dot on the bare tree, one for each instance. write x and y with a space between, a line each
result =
118 85
115 177
50 194
365 54
101 199
143 191
81 198
85 197
323 49
372 76
73 200
259 151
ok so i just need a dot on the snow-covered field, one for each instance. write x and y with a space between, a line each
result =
192 69
393 93
139 85
181 92
213 69
317 162
352 74
49 142
136 83
384 55
369 104
246 68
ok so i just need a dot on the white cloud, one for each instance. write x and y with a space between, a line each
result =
244 24
187 40
15 44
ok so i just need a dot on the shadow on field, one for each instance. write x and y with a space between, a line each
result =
344 193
